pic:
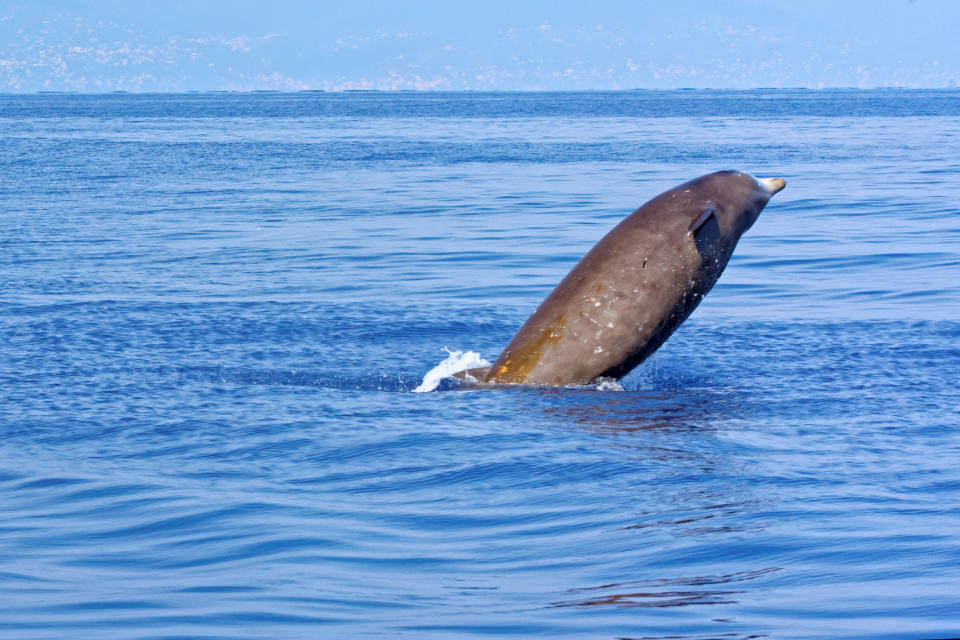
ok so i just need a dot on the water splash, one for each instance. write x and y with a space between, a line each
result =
607 384
456 362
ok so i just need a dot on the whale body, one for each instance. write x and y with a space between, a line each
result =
636 286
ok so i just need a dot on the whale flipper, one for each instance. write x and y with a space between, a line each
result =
702 219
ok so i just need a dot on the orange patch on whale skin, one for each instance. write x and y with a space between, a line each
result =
524 358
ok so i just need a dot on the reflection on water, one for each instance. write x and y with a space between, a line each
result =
712 636
710 511
616 412
665 592
690 495
655 599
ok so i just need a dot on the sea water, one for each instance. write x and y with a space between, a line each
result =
215 308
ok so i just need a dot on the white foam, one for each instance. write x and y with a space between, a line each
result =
457 361
607 384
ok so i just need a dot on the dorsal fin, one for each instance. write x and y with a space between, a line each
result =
702 219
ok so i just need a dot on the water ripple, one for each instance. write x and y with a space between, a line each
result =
215 309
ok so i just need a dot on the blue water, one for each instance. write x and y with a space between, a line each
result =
214 308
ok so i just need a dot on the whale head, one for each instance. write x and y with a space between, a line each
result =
740 198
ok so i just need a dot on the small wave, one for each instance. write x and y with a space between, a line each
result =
455 362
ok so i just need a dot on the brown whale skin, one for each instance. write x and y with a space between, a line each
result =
636 286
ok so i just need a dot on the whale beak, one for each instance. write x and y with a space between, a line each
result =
772 185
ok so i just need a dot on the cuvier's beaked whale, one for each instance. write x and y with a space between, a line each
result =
635 287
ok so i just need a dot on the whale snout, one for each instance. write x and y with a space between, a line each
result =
772 185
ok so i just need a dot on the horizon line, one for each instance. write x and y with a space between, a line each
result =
339 91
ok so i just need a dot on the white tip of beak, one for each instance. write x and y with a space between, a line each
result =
772 185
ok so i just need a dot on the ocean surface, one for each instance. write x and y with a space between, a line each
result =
214 309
